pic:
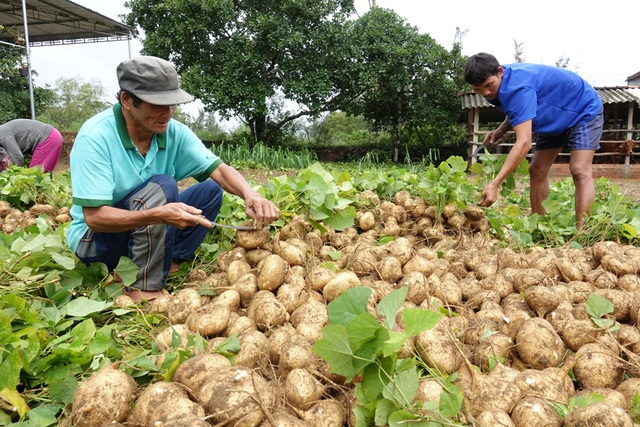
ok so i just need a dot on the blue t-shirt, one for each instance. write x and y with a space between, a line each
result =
106 166
554 99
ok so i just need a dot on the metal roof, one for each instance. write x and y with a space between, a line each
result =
56 22
609 95
619 94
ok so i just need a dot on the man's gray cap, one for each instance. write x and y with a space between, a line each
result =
152 79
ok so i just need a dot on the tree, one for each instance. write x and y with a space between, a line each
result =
240 57
565 62
205 126
518 54
15 102
333 128
408 80
76 101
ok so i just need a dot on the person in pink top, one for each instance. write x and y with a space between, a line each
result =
25 137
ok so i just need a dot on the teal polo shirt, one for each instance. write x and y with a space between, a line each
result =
106 166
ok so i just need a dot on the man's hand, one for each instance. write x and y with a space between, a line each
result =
181 215
489 195
493 138
263 211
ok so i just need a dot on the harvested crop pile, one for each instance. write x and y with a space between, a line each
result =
547 337
11 218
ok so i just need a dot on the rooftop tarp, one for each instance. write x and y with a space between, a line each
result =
55 22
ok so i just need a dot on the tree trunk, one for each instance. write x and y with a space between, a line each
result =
396 142
258 125
398 128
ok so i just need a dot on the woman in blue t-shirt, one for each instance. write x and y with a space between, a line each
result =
561 108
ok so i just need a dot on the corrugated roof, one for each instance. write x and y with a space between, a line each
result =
609 95
471 100
619 94
52 22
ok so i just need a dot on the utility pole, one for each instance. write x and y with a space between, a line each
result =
28 52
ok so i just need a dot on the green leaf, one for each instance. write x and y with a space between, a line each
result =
52 314
63 390
66 261
5 419
394 343
102 341
369 351
127 270
403 387
84 307
334 348
176 338
10 370
582 401
317 188
417 320
375 377
362 329
35 245
83 333
390 304
229 345
364 416
610 324
634 410
6 334
598 306
343 218
451 401
384 408
344 309
144 363
44 415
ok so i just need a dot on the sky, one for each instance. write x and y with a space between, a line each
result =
598 38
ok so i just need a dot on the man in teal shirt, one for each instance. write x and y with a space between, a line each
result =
125 165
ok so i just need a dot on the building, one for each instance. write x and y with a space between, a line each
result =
634 80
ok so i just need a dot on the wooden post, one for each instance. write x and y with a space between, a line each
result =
627 157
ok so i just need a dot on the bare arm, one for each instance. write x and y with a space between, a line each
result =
107 219
518 152
257 207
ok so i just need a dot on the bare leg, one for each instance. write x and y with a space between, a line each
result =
539 177
582 174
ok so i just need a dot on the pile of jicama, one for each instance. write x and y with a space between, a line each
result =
12 218
520 336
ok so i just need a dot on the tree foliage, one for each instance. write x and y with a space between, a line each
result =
76 101
271 62
238 58
334 128
518 54
14 87
205 125
408 80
